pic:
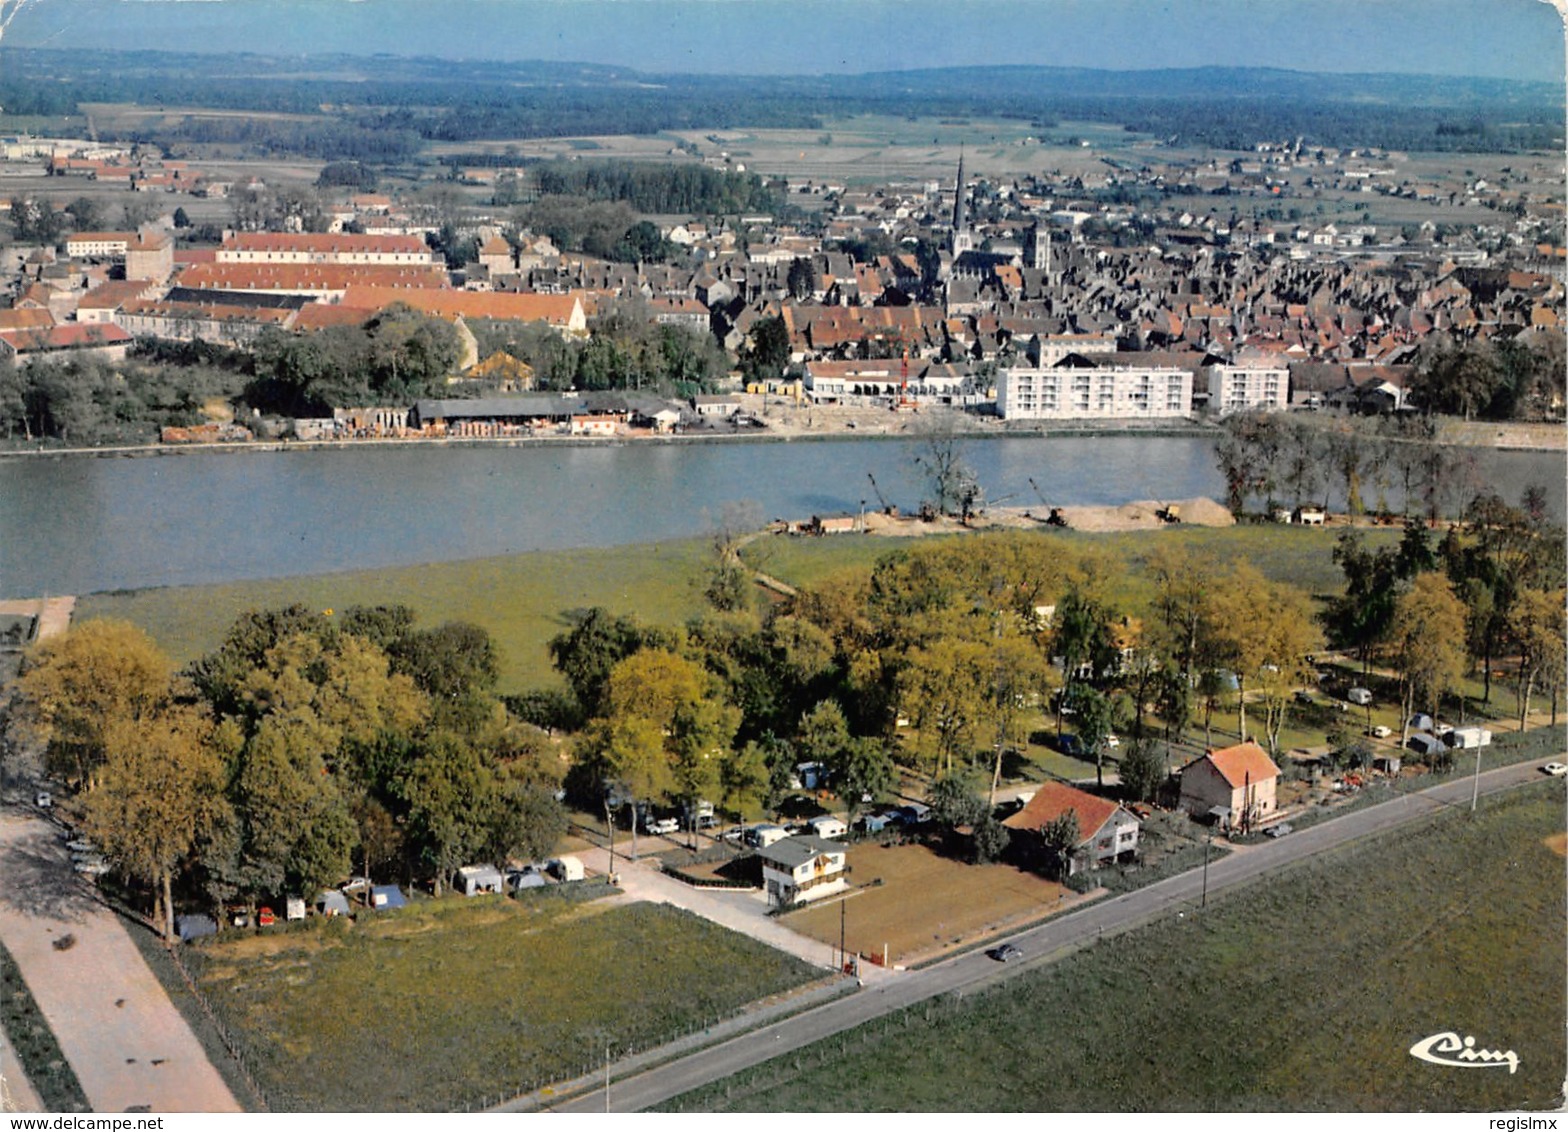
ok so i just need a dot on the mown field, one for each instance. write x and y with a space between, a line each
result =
453 1004
1303 993
520 599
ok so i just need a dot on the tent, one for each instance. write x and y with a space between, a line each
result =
387 896
194 926
332 903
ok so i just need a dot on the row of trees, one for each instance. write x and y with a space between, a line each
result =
392 358
1498 380
626 349
1280 459
306 744
87 401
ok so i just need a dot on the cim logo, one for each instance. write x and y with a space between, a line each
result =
1448 1048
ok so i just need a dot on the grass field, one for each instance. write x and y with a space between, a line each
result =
453 1004
1303 993
519 598
917 903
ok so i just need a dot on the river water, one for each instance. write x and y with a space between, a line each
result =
79 524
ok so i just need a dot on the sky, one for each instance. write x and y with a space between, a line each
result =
1521 39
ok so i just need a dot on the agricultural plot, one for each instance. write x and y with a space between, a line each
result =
455 1004
1303 993
917 904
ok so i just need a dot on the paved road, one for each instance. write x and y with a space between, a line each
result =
115 1024
1043 944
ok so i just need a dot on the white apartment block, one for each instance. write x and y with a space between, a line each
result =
1245 384
1108 391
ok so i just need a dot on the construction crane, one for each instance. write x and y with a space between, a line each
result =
887 508
1054 516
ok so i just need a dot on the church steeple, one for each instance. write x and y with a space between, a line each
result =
963 239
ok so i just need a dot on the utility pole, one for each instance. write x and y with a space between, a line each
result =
1475 788
1206 843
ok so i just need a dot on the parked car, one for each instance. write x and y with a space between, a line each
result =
1361 697
1005 953
1556 770
1279 830
1304 697
663 827
1379 732
43 800
1112 741
91 866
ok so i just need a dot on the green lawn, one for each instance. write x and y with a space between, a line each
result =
519 598
1305 992
454 1004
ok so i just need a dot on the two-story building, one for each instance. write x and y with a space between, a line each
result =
1234 785
1106 831
802 868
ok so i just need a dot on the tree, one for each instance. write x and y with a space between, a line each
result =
1094 714
954 801
766 355
952 482
597 641
802 279
78 687
160 793
862 770
1142 772
1427 644
1536 626
990 840
1060 838
449 792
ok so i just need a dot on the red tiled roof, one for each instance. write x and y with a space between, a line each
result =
25 318
325 243
1053 799
504 306
1242 764
69 336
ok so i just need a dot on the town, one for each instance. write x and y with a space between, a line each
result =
724 824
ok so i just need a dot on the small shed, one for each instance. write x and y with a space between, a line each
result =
387 896
194 926
471 880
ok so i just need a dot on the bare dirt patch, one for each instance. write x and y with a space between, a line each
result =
1558 843
926 904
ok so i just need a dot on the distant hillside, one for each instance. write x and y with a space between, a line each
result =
409 100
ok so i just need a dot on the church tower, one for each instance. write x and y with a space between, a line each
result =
963 238
1040 249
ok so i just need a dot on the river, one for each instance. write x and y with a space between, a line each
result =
82 523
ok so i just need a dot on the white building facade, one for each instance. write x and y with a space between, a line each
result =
1083 392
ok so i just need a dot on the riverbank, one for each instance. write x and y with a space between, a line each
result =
782 422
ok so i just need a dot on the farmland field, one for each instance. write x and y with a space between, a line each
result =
926 903
450 1005
1303 993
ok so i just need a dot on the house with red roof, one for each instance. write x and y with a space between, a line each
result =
1106 830
1236 785
73 339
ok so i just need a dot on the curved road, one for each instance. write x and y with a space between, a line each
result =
1043 944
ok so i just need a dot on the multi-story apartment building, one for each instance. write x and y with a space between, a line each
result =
1110 386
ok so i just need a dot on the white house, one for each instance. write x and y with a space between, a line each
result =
1106 831
802 868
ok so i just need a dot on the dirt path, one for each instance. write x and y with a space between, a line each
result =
128 1044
